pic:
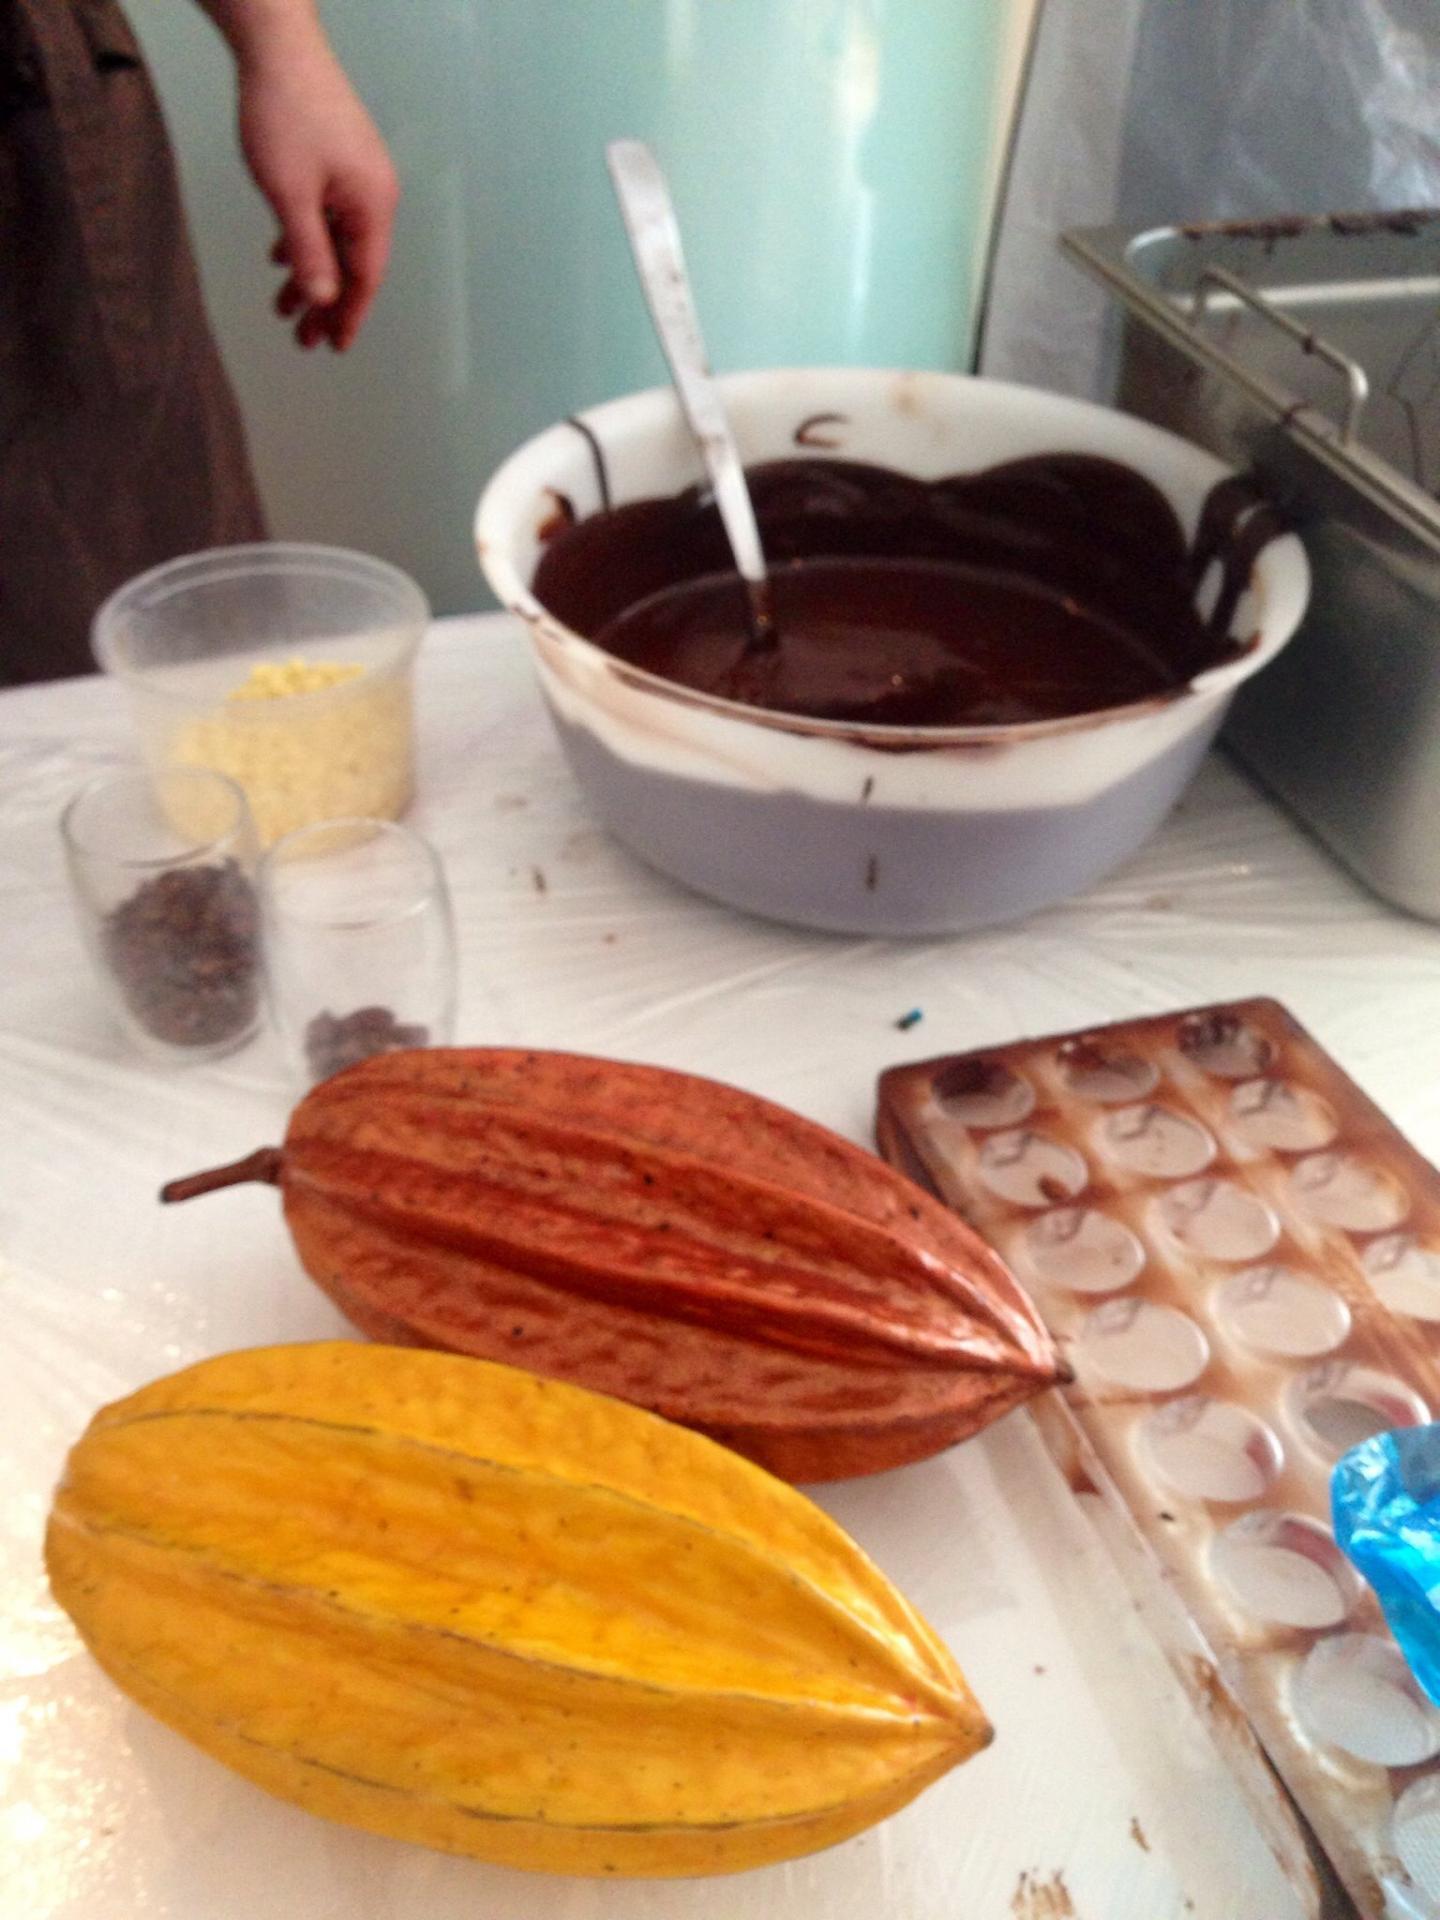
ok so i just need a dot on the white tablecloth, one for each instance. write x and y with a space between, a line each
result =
1102 1796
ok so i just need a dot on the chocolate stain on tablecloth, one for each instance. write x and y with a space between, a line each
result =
1037 1899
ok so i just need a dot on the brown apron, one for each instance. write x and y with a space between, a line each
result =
120 442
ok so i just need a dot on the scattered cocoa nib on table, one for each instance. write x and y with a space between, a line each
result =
185 953
334 1041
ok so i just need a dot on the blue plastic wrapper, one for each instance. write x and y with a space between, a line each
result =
1385 1497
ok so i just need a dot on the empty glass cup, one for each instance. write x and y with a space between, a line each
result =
359 944
163 878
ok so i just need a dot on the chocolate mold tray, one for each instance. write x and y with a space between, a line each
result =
1240 1257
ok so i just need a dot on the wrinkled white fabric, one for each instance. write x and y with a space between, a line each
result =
107 1816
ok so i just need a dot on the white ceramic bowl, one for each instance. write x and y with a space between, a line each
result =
834 824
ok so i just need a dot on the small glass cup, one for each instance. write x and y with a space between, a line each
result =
163 878
359 944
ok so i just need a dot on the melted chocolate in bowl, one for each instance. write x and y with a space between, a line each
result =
1043 588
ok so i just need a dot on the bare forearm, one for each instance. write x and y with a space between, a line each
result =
316 155
261 32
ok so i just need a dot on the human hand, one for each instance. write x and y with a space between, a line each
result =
318 158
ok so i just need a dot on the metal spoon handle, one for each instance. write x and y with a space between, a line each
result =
654 236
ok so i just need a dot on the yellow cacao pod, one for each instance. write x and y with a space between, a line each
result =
497 1614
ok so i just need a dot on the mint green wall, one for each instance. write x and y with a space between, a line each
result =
831 161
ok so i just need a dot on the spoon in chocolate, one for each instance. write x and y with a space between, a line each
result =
654 236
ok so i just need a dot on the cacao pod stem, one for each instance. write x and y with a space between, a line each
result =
263 1164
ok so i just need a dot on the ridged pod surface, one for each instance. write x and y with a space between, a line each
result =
466 1606
659 1237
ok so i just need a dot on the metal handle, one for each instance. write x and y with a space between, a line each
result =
654 236
1357 383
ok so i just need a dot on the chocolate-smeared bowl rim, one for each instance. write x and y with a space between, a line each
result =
1284 555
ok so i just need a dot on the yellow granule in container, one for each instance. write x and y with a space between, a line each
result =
269 680
301 758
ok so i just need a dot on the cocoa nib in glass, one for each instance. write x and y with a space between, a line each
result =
185 952
335 1041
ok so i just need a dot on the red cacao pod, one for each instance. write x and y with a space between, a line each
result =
659 1237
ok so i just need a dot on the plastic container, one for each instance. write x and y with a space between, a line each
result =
1239 1254
186 637
841 825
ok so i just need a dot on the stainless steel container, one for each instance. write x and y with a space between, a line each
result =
1309 351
